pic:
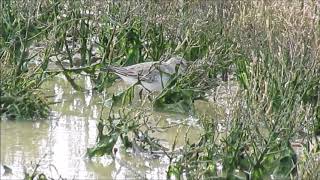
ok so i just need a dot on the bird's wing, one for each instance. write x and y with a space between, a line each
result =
167 69
147 73
123 71
142 68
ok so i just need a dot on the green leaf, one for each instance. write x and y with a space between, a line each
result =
124 98
104 146
175 100
173 171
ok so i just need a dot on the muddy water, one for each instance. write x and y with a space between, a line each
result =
59 143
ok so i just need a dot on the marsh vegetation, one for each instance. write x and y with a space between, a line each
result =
253 84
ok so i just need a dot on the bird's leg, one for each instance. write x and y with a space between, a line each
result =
140 94
162 85
139 82
161 73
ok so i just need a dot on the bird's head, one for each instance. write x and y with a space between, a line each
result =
178 61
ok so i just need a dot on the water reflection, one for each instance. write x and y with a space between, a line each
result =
20 140
62 140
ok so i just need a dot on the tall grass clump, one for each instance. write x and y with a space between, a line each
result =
277 106
21 75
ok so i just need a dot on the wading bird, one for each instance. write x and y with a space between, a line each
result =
152 76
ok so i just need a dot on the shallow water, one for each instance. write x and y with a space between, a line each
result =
59 143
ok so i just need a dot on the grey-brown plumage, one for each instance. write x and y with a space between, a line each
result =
152 75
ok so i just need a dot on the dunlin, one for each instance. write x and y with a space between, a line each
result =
153 76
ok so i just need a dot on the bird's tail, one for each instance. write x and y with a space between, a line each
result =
108 68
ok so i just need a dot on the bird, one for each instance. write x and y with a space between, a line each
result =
152 76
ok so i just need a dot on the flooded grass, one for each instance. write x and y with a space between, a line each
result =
252 88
